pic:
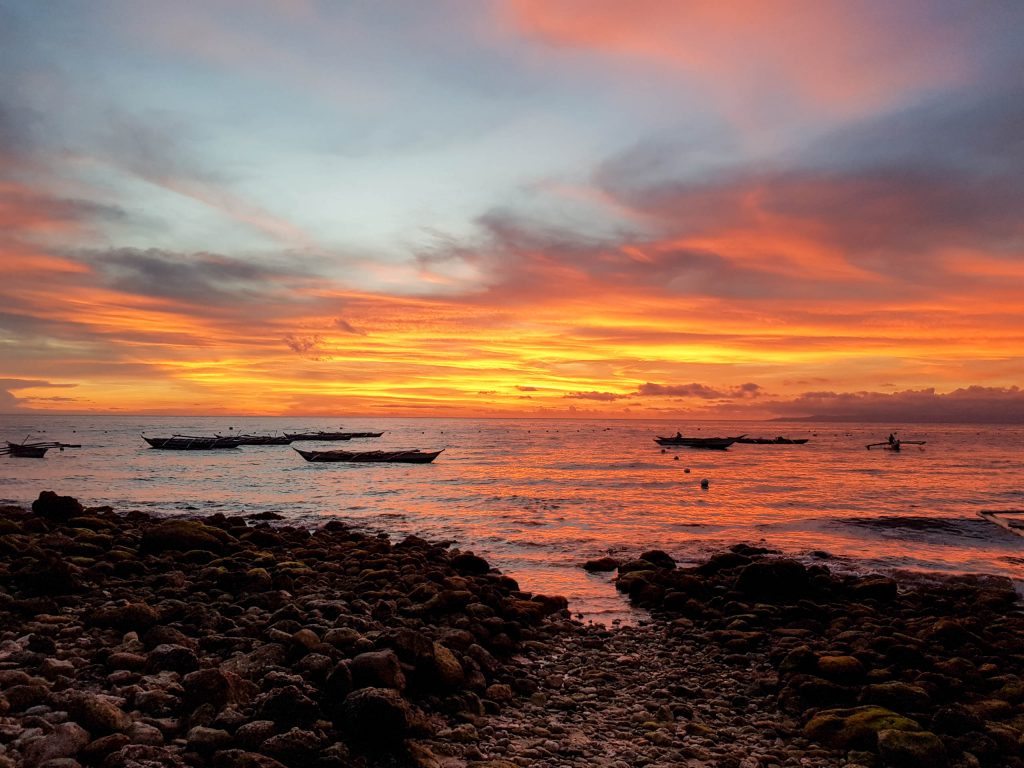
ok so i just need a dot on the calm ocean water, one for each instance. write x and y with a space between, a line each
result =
537 497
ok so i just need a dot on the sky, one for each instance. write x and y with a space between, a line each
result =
500 208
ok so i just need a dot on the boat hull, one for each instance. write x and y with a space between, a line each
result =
714 443
27 451
402 457
191 443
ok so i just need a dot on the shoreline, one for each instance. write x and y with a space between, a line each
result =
133 640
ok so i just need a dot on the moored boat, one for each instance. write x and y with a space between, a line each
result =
192 443
259 439
33 450
414 456
27 451
719 443
318 435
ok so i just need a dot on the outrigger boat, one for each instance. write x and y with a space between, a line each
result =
414 456
259 439
330 435
33 450
894 445
720 443
192 443
772 440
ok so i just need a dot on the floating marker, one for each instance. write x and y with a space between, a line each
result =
705 483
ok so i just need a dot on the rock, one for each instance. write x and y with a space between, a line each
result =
296 747
144 733
855 728
136 617
96 751
236 758
377 718
447 670
66 740
143 756
774 580
898 696
21 697
659 558
174 658
206 740
252 734
217 687
469 564
98 714
183 535
287 706
845 670
903 749
601 565
873 588
57 508
252 665
377 669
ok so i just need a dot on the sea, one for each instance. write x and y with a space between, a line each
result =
538 497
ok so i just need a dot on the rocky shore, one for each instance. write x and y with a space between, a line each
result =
128 640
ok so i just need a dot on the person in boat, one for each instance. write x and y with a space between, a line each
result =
892 439
679 435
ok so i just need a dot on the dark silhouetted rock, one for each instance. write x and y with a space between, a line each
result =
57 508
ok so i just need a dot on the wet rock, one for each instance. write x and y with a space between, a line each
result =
855 728
903 749
57 508
601 565
252 665
183 535
659 558
896 695
469 564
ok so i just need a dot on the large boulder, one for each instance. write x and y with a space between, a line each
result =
57 508
855 728
183 535
906 749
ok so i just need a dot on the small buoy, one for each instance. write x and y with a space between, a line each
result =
675 458
687 470
705 483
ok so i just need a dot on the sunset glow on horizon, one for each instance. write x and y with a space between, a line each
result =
513 208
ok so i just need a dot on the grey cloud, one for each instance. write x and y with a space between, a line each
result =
702 391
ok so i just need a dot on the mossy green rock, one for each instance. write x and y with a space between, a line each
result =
855 728
903 749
